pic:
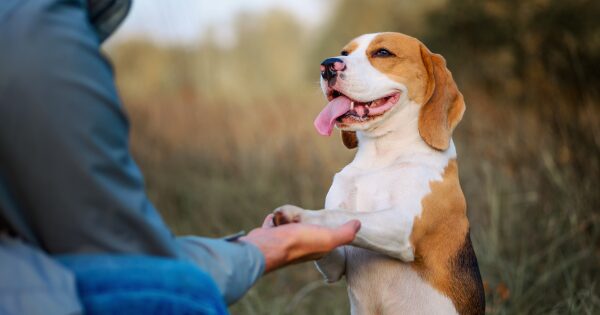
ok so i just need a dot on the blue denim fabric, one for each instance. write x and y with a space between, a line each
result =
112 284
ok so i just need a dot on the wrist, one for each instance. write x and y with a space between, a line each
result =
274 248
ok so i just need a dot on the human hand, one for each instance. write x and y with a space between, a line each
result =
297 242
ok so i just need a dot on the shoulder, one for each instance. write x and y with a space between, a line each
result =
38 36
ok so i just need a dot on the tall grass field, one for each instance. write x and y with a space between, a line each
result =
224 135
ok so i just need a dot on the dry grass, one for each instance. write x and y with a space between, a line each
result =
225 135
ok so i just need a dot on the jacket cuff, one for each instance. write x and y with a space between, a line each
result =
234 266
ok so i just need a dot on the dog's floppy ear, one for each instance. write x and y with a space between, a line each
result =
443 106
349 139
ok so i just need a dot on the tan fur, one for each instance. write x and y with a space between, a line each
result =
441 240
428 81
406 66
445 105
350 47
349 139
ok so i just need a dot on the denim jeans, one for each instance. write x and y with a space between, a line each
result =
112 284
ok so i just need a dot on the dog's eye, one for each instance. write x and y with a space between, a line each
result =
344 53
382 52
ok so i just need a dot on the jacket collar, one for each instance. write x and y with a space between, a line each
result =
107 15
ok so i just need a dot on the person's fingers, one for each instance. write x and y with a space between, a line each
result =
268 223
345 234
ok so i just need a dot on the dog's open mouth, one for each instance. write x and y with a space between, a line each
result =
344 110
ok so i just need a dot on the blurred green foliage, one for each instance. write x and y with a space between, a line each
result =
558 41
224 134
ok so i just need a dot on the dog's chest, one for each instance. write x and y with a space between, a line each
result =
378 284
359 191
400 186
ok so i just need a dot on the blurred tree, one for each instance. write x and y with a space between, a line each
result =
550 43
542 55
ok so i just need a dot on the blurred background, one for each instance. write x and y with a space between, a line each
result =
222 95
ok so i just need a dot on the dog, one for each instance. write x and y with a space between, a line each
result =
397 102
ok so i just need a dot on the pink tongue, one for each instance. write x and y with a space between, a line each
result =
326 119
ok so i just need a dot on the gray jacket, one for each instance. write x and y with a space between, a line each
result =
68 183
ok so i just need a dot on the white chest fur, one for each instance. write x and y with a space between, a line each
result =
378 284
392 167
390 173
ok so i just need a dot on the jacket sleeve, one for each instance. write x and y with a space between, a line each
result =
68 182
235 266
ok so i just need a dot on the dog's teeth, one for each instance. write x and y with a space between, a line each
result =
352 105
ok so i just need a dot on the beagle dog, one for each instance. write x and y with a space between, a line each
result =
398 103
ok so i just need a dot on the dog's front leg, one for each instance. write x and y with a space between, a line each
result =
333 265
384 231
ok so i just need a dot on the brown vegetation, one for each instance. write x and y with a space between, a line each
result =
224 135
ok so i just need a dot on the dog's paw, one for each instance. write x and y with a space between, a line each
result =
287 214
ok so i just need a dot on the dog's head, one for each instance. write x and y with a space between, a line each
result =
376 75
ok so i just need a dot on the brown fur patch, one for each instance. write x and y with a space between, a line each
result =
444 256
445 105
405 67
349 139
428 81
350 47
467 286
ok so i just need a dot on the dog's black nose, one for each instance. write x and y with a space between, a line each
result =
330 68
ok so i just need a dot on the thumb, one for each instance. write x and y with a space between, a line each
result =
346 233
268 222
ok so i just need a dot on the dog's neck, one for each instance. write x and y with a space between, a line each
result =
395 139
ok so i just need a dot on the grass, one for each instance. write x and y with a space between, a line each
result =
534 231
224 136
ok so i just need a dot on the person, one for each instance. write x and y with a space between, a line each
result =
77 230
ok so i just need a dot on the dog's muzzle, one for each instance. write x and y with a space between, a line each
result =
330 68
